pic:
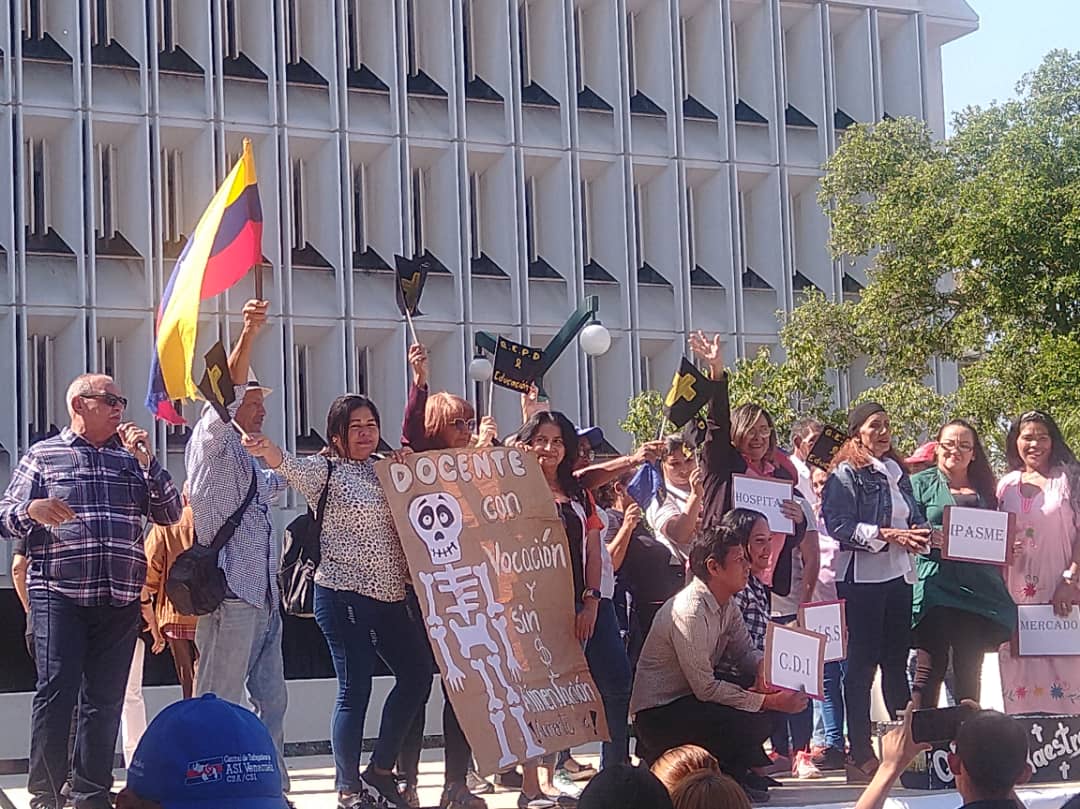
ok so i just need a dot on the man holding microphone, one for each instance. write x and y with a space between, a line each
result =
80 500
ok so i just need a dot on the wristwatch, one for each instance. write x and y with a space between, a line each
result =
590 592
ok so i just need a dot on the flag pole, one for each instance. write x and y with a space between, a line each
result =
412 328
491 397
258 283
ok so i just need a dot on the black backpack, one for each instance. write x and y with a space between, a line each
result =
300 556
196 585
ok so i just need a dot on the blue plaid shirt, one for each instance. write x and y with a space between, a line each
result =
219 473
753 602
96 559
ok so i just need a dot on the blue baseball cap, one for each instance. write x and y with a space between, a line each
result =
206 752
594 436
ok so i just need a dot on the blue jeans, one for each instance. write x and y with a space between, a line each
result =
357 629
829 712
610 669
83 656
222 638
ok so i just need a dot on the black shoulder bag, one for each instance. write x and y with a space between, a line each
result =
196 585
300 556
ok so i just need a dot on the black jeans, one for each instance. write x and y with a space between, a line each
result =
734 737
879 635
969 636
83 656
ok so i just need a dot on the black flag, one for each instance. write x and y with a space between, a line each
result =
826 447
689 393
411 277
216 384
516 365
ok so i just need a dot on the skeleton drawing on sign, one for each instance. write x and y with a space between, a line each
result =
462 597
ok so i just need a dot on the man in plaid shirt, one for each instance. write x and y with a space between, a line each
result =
80 500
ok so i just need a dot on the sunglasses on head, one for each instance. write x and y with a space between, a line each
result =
110 399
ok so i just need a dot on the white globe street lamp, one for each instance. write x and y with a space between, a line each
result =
595 339
480 369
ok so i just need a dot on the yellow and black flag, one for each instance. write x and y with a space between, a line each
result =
411 277
216 384
826 446
516 365
689 393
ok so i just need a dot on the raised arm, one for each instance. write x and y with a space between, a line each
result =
412 424
598 474
240 357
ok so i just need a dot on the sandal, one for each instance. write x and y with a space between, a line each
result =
458 796
861 773
577 770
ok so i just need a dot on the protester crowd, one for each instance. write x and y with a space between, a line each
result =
674 591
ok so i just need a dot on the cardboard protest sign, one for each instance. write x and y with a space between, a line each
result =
516 365
765 496
795 659
491 565
826 447
977 535
1041 632
828 618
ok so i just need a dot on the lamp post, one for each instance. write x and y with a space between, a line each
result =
595 339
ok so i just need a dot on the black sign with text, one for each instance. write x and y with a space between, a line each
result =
516 365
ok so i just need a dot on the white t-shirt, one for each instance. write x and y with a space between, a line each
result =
657 515
890 560
789 604
805 484
607 567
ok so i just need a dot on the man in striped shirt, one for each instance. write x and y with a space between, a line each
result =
80 500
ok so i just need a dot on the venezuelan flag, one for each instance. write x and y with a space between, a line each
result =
226 243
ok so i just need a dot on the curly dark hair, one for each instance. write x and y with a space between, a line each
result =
337 420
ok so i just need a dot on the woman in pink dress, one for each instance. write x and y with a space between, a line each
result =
1043 491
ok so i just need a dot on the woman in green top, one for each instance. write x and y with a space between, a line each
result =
962 606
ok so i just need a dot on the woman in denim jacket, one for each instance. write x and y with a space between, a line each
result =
869 509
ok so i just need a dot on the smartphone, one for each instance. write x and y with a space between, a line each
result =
938 724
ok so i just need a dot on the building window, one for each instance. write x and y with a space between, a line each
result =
106 355
684 58
359 209
363 360
579 47
639 225
292 32
353 40
301 356
419 188
586 222
100 23
36 188
468 40
412 36
691 226
33 19
735 59
646 372
299 205
232 31
475 214
531 241
42 361
106 200
172 196
523 43
631 52
166 26
742 232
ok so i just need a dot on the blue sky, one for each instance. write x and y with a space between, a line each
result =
1013 37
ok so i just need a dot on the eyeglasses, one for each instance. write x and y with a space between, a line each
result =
110 399
586 453
464 424
957 446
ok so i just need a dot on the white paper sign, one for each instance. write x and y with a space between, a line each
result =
795 659
765 496
976 535
1041 632
827 618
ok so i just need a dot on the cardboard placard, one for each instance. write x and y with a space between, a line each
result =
764 496
825 447
795 659
491 565
1040 632
977 535
828 618
516 365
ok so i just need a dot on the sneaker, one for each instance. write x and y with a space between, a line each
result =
478 785
564 782
780 764
540 801
360 800
804 766
511 779
385 784
828 758
577 770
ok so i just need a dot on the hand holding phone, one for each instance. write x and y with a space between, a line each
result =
939 724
